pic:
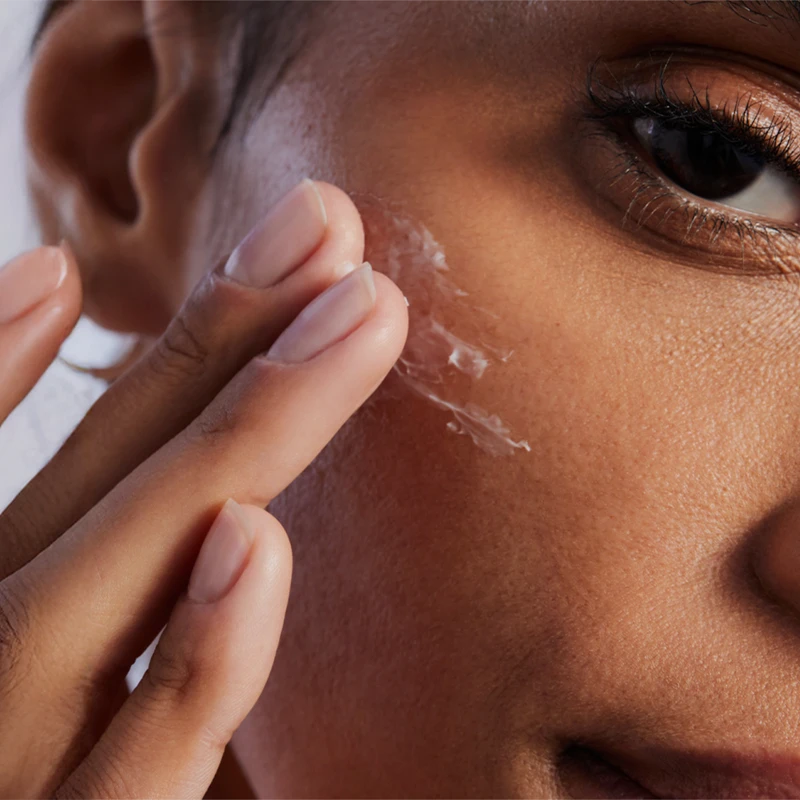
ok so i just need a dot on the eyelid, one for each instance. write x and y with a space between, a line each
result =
727 241
696 234
761 75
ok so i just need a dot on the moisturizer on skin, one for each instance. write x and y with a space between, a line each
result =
416 262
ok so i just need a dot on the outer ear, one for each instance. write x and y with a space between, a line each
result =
123 110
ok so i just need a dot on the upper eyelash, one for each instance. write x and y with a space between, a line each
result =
758 233
771 139
742 125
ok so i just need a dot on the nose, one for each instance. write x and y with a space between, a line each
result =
776 559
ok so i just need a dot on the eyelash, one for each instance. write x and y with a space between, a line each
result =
741 126
615 107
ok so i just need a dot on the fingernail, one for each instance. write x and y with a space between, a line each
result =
286 237
222 557
328 318
28 279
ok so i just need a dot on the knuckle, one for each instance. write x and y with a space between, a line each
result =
111 772
73 789
215 739
170 672
240 408
217 421
14 627
181 350
104 779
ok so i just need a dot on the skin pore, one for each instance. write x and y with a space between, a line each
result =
437 363
457 620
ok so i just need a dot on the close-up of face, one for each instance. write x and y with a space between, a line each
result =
556 548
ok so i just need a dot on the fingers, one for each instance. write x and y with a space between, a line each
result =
40 302
300 249
122 564
208 670
94 599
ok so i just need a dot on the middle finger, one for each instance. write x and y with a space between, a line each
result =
311 235
107 585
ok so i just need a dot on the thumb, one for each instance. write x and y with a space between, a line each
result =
207 672
40 301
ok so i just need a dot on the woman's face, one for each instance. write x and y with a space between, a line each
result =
460 618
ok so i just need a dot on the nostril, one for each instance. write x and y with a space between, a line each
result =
583 772
776 557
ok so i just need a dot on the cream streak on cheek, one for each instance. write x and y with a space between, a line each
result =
434 356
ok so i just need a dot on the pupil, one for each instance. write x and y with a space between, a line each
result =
705 164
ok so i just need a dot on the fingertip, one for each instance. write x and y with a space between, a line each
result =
33 279
53 320
67 301
390 295
270 538
58 311
339 206
391 313
70 287
69 258
345 228
40 302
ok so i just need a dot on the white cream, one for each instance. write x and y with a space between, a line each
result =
416 262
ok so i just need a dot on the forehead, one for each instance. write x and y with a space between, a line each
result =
375 85
518 36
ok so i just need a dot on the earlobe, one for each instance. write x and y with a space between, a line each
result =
121 117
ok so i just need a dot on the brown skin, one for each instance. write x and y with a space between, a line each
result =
455 619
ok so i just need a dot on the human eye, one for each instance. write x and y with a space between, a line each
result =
702 156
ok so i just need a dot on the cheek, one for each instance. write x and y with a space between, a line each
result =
637 399
440 360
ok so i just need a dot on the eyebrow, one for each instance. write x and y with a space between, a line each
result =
781 15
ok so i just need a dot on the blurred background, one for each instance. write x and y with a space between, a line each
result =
37 427
17 23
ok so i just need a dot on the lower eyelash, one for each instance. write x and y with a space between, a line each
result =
608 108
762 238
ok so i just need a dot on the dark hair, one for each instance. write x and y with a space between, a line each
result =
267 37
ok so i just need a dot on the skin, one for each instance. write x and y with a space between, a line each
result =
457 620
99 554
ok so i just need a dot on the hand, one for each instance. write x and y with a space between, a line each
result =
97 552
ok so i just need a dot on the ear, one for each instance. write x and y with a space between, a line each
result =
123 111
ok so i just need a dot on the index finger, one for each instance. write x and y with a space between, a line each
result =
124 563
40 301
295 253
